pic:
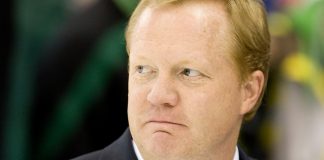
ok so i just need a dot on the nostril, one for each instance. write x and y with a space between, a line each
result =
168 105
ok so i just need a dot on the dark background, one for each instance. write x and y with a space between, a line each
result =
63 80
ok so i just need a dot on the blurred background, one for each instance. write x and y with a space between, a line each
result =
63 80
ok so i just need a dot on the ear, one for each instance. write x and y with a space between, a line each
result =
251 91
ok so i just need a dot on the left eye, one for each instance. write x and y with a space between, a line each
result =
191 72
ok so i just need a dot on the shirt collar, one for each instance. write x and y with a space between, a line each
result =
236 155
139 156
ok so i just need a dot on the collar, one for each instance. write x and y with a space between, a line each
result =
139 156
236 155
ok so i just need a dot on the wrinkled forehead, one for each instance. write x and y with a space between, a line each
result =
204 18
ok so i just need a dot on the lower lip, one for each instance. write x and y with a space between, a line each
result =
159 128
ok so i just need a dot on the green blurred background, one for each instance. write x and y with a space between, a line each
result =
63 82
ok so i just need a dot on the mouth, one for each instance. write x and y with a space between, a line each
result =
162 127
165 122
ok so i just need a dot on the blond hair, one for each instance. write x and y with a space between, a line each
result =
251 38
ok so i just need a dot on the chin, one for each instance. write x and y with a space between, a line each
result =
161 142
164 146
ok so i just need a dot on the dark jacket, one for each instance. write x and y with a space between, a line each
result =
122 149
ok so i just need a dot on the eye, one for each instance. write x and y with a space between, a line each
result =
143 69
191 72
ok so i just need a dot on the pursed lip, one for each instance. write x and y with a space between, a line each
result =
165 122
164 126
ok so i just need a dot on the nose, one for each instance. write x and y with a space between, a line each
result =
163 93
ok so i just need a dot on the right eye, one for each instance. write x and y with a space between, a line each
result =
141 69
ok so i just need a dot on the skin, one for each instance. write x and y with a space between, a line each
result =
186 100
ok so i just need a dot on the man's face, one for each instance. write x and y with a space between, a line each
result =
184 92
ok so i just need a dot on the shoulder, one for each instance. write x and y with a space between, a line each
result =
90 156
121 149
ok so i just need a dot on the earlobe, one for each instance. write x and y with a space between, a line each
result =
251 91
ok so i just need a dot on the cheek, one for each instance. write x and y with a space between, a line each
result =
213 110
205 108
136 101
136 108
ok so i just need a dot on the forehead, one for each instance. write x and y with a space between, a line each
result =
191 26
206 17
